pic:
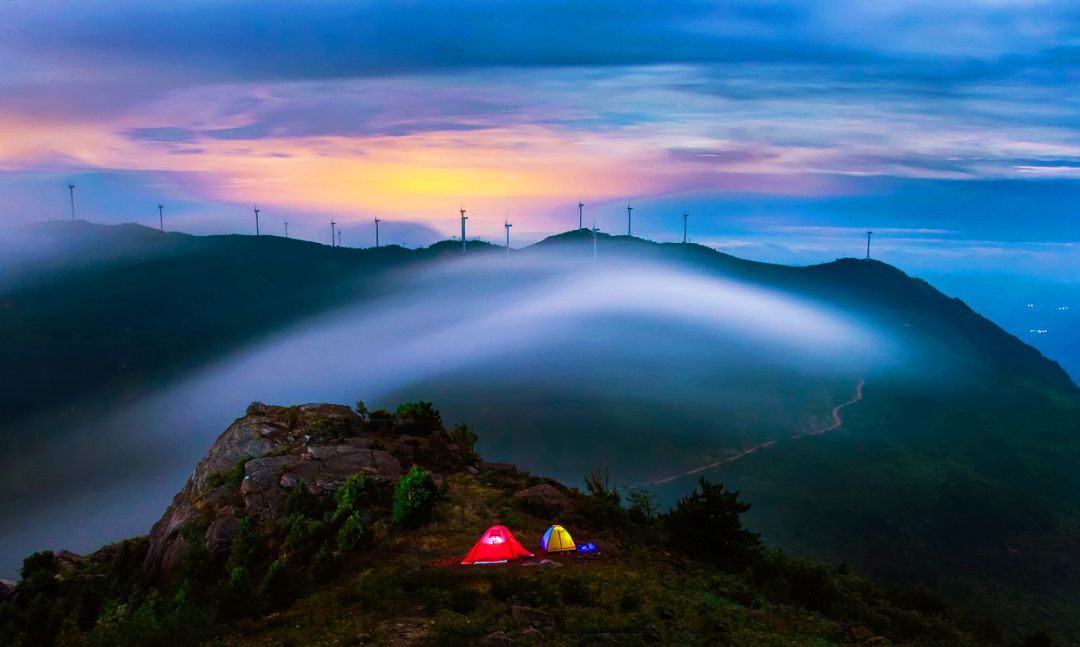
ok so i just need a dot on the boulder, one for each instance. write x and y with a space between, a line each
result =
606 547
277 453
532 617
67 560
220 534
544 499
496 639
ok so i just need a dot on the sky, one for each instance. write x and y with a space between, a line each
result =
785 129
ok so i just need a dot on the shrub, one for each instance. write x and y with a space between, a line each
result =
414 498
706 525
630 601
361 409
244 548
421 416
232 477
325 566
351 533
277 590
642 508
352 494
598 483
322 429
575 590
464 436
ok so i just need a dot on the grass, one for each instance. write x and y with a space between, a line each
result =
401 591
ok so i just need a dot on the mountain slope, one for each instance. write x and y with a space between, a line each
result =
957 471
288 532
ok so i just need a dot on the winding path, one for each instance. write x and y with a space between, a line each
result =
837 422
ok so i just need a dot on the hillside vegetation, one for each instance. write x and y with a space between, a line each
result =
371 557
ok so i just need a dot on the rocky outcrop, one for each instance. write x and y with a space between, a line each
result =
7 590
546 500
250 469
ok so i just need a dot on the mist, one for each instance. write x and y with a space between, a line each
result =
649 368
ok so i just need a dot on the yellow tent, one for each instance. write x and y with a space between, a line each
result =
557 540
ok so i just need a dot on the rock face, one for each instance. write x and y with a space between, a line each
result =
545 499
250 469
7 590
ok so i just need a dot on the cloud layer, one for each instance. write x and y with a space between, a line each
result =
519 108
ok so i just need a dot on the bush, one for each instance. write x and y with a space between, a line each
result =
325 566
351 533
420 416
361 409
575 590
351 496
322 429
464 436
706 525
642 509
232 477
277 590
414 498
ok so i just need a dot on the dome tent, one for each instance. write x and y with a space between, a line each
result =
495 546
556 540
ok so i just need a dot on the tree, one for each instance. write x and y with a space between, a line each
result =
706 524
414 498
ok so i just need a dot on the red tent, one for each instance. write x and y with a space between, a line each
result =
495 546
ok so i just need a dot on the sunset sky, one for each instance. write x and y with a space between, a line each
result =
785 129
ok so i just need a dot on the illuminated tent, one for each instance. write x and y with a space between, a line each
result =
557 540
495 546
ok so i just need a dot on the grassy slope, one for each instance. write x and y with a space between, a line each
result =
645 595
405 588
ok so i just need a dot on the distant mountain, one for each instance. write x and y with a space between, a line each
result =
110 308
103 311
957 471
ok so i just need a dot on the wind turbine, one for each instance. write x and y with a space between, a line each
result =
868 235
629 210
332 238
339 238
161 216
684 217
256 221
580 206
594 230
377 221
286 228
71 192
507 225
463 219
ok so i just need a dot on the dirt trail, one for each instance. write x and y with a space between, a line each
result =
837 422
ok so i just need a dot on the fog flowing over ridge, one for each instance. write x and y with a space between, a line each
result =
486 331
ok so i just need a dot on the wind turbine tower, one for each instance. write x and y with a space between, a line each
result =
161 217
580 206
332 234
463 219
868 235
507 225
71 193
629 211
377 221
685 216
257 221
286 228
594 230
339 238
